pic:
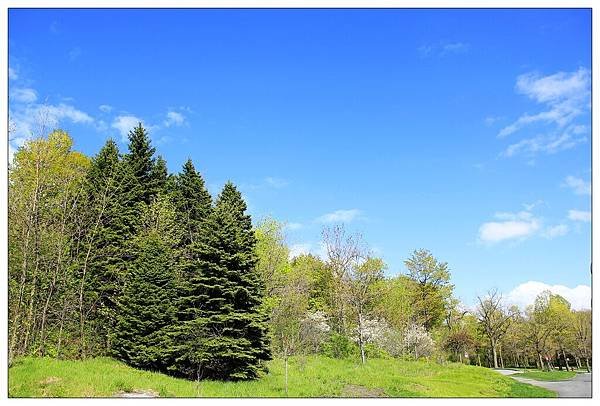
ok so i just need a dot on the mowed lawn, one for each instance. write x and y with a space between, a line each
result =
313 376
548 375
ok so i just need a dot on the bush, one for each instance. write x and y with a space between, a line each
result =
374 351
339 346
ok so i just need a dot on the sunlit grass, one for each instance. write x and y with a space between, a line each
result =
312 376
548 375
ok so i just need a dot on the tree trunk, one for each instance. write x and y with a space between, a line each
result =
286 373
587 364
494 354
565 358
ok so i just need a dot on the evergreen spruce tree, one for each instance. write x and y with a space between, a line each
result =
226 334
142 164
146 310
110 224
192 202
160 175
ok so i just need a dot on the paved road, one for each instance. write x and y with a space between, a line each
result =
578 387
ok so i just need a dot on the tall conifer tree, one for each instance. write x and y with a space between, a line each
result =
226 336
110 223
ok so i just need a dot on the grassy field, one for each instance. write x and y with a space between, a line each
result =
548 375
308 377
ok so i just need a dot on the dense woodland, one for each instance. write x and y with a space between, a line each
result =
112 255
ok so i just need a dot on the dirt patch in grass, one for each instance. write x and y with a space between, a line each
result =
50 380
138 393
357 391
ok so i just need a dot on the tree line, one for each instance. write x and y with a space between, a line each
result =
112 255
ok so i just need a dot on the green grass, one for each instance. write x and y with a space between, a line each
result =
548 375
308 377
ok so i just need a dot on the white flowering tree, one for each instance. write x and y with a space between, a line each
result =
314 329
418 342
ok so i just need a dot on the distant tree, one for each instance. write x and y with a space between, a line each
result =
291 304
360 291
561 324
272 253
418 342
583 335
494 319
344 252
537 327
459 341
432 288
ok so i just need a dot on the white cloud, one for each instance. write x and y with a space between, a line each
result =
299 249
174 118
105 108
580 215
555 87
513 226
23 95
124 124
565 95
276 182
12 74
555 231
579 186
33 119
524 294
343 216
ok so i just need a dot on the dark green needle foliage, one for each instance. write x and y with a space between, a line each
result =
226 333
146 307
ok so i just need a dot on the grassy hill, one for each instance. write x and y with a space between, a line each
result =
308 377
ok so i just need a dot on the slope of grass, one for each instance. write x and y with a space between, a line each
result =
548 375
308 377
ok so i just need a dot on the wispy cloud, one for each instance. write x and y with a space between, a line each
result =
174 119
555 231
299 249
340 216
29 119
565 96
443 48
577 185
454 48
580 215
524 294
23 95
548 144
276 182
74 54
105 108
293 226
12 74
124 124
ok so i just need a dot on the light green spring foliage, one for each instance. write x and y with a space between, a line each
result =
308 377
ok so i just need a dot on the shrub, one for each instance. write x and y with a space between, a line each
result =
339 346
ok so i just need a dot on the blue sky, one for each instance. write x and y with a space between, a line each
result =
466 132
